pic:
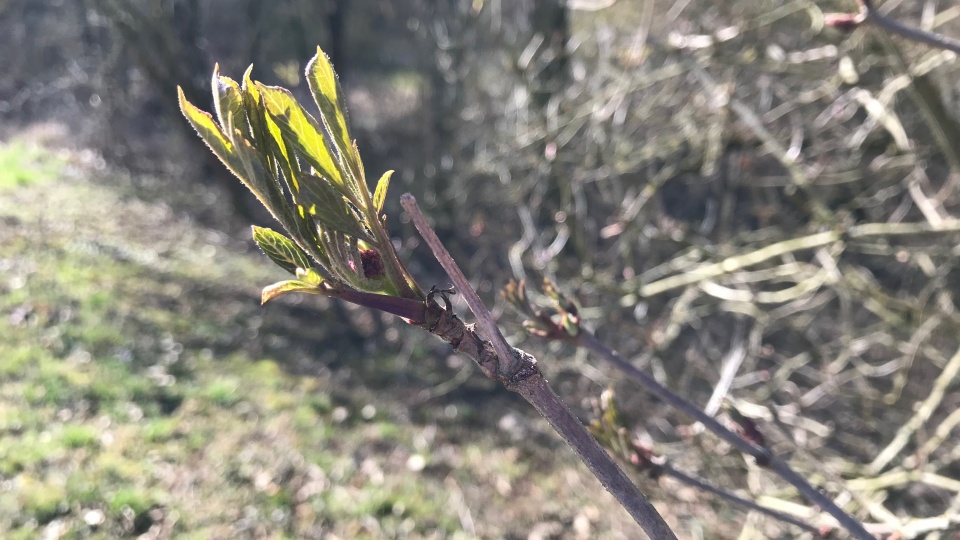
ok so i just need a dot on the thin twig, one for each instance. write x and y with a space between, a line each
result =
736 499
762 455
539 394
738 262
731 364
535 389
871 15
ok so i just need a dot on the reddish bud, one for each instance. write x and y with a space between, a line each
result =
372 263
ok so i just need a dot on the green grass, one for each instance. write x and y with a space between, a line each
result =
23 164
223 392
79 436
44 500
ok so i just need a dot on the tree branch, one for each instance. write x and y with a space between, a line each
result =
736 499
518 371
508 365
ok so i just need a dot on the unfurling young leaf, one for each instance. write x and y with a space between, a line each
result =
302 131
281 250
228 103
291 285
307 172
558 320
327 205
212 135
327 93
236 153
309 275
380 195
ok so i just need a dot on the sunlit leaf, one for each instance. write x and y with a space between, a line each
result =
271 156
286 166
611 416
262 182
309 275
329 97
570 325
253 106
239 156
212 135
380 195
284 155
228 103
307 172
328 207
258 119
281 249
289 286
302 130
357 162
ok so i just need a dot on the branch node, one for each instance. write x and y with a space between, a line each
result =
528 369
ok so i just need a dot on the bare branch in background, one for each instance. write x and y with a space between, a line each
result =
869 14
747 440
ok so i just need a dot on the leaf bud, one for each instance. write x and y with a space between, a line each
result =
372 263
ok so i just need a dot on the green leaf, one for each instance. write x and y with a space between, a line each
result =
380 195
355 152
282 161
280 249
265 132
289 286
240 157
281 152
228 101
570 325
302 130
259 121
310 276
262 161
327 205
342 251
235 152
326 91
213 136
262 183
252 104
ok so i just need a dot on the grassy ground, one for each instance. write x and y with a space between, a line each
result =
144 390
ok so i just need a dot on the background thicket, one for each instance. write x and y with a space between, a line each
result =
619 147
